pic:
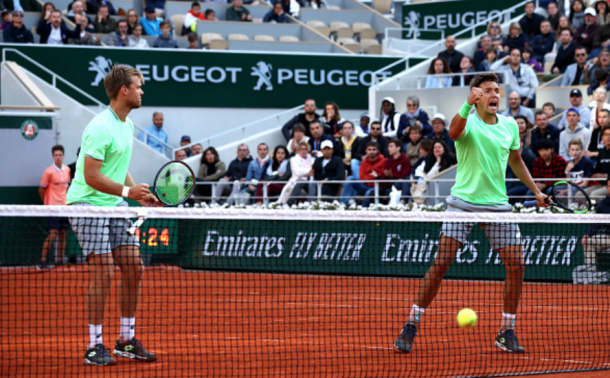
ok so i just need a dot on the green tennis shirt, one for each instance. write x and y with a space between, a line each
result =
482 156
110 140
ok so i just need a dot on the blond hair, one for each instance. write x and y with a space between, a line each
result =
118 77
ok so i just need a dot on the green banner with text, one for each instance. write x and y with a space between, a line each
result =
215 79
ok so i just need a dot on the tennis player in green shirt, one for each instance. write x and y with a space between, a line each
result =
102 179
485 142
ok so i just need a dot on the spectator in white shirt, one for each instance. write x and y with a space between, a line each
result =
522 77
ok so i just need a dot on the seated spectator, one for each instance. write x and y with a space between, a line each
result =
577 13
390 120
303 118
196 149
602 169
397 167
601 63
574 130
132 20
544 130
349 140
494 31
255 169
413 116
17 32
530 22
596 239
180 155
599 103
298 137
434 163
235 175
548 165
600 40
579 166
515 108
331 120
586 32
316 4
554 15
597 143
301 166
158 132
583 110
363 128
451 55
210 15
276 170
7 19
191 18
78 8
55 31
564 23
276 15
516 39
565 53
151 23
329 167
440 132
318 136
549 109
601 81
515 188
185 141
165 40
576 73
491 56
237 12
542 44
602 12
425 147
412 148
158 5
119 38
94 5
104 23
193 41
526 57
466 66
521 78
85 37
525 129
359 155
136 40
480 54
371 169
439 74
528 157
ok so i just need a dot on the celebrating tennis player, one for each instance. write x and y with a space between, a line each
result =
102 179
485 141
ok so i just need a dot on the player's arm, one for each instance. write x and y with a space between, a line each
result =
100 182
457 129
148 200
42 191
520 170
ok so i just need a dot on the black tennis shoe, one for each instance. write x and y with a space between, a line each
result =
404 342
99 355
507 341
133 349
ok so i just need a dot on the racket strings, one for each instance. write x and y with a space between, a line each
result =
174 184
570 197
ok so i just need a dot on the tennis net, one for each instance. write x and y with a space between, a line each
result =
250 292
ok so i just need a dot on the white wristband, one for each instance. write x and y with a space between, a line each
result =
125 192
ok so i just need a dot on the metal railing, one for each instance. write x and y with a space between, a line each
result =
461 75
407 40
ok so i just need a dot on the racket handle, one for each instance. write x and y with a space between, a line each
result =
135 226
531 203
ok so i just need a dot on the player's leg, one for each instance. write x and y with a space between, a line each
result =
61 247
46 247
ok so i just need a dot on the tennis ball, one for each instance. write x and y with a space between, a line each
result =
467 318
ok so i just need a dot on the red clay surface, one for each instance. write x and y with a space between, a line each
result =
206 324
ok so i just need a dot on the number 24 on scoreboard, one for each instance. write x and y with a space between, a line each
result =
153 234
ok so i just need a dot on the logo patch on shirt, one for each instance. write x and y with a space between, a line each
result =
508 138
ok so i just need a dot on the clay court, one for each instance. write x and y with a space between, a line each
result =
250 324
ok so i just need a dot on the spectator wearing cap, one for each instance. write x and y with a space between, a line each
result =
452 56
521 77
165 40
583 111
586 32
191 18
565 53
360 154
390 118
151 23
530 22
56 32
318 136
237 12
185 141
414 115
577 73
158 132
21 5
304 119
362 129
371 169
7 19
17 32
574 130
439 132
515 108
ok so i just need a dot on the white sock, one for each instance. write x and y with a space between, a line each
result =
416 313
508 321
128 328
95 335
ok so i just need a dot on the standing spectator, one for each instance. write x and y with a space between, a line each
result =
120 37
390 118
597 238
542 44
548 165
515 108
494 31
235 175
602 169
78 9
363 128
136 40
577 73
191 18
554 15
412 149
298 137
565 53
210 15
17 32
577 13
466 66
55 32
530 22
439 74
413 116
491 56
583 110
397 167
52 190
132 20
602 11
318 136
196 149
151 23
255 168
165 40
7 19
331 120
180 155
371 169
451 55
360 154
586 32
276 15
303 118
599 103
522 78
544 130
440 132
574 130
480 54
579 167
527 58
329 167
94 5
276 170
349 140
158 132
597 143
237 12
104 23
301 167
516 39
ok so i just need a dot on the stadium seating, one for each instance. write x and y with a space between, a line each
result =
213 41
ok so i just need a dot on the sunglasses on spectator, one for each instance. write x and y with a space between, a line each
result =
18 15
132 14
242 150
376 128
581 54
310 105
495 26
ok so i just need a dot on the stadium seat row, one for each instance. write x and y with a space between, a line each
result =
340 29
215 41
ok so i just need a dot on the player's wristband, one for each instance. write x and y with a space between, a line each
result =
465 111
125 192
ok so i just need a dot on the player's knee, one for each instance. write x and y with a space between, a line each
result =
515 268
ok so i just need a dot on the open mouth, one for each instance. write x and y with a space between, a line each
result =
493 104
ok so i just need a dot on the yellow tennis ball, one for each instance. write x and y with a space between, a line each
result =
467 318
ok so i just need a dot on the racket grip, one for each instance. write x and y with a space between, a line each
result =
135 226
531 203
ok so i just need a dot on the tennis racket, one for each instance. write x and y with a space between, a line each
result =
173 185
567 196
